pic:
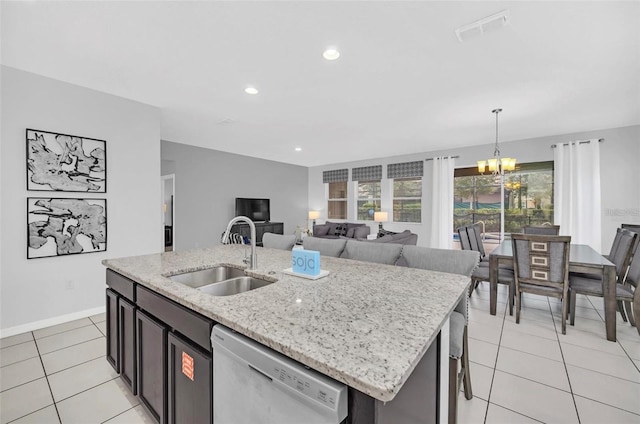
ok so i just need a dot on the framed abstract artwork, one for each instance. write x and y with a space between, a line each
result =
59 227
62 162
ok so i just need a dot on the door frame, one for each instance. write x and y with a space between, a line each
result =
164 179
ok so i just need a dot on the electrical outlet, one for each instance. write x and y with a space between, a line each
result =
69 285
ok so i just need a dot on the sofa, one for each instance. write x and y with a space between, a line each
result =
360 231
336 230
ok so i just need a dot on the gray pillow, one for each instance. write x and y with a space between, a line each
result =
326 247
379 253
321 230
361 232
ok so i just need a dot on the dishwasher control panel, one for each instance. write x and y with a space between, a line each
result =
304 385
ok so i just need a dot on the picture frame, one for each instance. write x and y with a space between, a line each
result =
65 226
63 162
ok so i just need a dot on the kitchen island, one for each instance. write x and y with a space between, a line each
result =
365 325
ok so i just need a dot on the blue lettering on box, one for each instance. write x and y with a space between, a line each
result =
305 261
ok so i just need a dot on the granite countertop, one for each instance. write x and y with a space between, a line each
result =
366 325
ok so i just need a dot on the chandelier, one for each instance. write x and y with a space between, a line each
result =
497 165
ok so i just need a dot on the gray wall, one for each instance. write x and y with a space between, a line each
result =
208 181
46 291
619 158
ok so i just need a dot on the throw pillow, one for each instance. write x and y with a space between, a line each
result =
341 230
383 233
351 232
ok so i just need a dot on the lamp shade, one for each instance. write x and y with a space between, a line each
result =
314 214
380 216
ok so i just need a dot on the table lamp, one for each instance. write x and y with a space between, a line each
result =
380 217
313 215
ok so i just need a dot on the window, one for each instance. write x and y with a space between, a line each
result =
337 195
407 200
337 204
368 196
368 199
528 198
407 190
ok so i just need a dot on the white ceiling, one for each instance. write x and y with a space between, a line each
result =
403 84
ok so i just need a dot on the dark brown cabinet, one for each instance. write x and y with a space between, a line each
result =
127 329
162 351
121 342
152 365
190 373
261 228
113 337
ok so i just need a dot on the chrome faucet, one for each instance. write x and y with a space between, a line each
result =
253 259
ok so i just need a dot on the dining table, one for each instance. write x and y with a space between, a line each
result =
583 259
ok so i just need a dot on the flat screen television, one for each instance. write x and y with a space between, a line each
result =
255 209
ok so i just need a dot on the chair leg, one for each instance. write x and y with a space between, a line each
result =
512 289
572 304
468 392
628 308
621 310
636 306
564 315
518 304
453 391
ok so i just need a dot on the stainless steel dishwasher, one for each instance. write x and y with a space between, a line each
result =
254 384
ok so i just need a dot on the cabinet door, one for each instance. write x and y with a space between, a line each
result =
190 383
113 337
127 328
152 365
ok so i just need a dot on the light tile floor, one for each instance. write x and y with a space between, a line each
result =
521 373
59 375
531 372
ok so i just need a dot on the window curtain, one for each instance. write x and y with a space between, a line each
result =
442 202
577 206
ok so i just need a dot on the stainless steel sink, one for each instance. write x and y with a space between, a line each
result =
204 277
234 286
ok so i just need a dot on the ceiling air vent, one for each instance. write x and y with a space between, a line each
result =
477 28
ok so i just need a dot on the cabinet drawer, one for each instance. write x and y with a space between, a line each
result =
191 324
122 285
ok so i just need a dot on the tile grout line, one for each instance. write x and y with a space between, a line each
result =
495 364
55 404
75 344
564 362
618 338
61 332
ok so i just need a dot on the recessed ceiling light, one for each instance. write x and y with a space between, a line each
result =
331 53
251 90
298 149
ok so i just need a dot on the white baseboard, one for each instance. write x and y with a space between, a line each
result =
36 325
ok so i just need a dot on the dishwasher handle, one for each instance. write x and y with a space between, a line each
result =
260 372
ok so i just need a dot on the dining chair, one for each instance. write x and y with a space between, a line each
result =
541 264
454 262
463 235
592 285
549 230
505 276
612 253
279 241
629 292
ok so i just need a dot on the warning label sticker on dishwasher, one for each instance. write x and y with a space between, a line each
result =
187 365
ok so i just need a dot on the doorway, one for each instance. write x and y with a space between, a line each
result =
168 211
